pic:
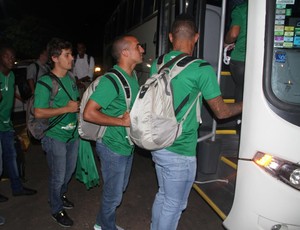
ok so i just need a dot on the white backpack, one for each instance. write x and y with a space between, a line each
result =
91 131
153 119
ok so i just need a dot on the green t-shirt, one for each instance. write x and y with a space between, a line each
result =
190 81
66 129
239 18
7 87
114 104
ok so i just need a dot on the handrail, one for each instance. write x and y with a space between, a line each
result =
212 134
210 202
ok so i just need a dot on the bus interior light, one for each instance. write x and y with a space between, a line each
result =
283 170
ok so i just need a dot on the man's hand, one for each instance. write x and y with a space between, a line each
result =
73 106
126 119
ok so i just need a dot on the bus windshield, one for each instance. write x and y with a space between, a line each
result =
285 79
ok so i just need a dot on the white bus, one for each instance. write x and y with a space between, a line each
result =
250 178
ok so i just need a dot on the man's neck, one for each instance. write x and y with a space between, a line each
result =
59 72
127 68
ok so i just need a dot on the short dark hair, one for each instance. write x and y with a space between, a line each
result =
6 46
184 25
118 45
55 47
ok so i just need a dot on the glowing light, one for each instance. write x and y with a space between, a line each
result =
97 69
264 161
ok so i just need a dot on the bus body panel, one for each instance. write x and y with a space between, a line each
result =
264 123
212 35
260 197
261 201
147 40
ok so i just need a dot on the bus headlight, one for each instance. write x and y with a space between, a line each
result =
283 170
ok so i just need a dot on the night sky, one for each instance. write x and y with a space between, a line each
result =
83 21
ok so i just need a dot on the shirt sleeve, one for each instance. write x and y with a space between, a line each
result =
236 17
104 93
31 71
42 93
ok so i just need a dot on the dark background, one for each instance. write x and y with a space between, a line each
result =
30 24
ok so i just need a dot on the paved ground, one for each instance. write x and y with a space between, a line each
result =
33 213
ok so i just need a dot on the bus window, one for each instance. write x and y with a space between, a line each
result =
282 82
149 7
285 70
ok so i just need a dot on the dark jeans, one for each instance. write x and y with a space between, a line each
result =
237 69
61 158
9 158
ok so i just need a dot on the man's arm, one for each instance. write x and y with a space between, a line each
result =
223 110
31 85
232 34
71 107
92 113
91 68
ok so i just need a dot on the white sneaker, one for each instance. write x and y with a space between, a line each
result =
97 227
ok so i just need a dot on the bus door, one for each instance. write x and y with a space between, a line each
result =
267 192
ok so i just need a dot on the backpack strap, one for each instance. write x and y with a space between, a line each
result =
53 76
172 61
125 84
180 65
54 90
88 59
127 93
37 69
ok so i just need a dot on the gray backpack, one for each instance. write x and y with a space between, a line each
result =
37 127
153 117
91 131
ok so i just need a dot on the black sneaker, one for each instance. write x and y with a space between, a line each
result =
25 192
63 219
66 203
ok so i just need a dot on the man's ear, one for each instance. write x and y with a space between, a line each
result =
124 52
196 37
171 37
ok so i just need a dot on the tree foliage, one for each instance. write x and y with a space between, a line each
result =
28 34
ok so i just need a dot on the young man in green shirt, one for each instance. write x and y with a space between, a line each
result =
7 133
107 106
60 142
176 165
237 35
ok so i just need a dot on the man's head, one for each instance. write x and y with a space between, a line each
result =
7 58
127 46
183 31
43 56
81 49
60 50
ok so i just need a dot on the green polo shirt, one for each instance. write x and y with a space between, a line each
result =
114 104
239 18
190 81
7 87
66 129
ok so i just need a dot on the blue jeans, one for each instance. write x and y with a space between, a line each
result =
61 158
115 169
9 159
175 175
1 165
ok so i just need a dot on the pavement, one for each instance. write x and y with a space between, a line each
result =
33 212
